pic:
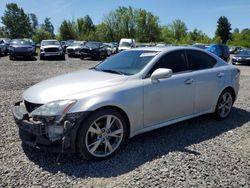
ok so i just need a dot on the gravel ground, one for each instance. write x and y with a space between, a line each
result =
200 152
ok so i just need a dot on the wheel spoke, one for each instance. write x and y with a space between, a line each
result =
222 111
228 100
96 145
96 131
220 106
110 120
115 133
227 107
108 146
224 98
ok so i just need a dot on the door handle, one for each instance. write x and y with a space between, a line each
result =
220 74
189 81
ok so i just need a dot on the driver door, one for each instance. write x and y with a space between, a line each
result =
172 97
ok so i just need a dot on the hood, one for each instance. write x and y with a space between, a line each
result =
62 87
242 56
50 46
73 47
22 46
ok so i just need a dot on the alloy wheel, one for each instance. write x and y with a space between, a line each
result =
104 136
225 104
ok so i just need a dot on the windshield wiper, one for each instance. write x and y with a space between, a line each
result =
94 68
112 71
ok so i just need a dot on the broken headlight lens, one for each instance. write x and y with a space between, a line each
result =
55 108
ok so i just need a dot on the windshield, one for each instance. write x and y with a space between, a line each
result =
125 44
50 42
92 44
244 52
127 62
21 42
76 44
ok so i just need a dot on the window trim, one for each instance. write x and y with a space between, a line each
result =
172 51
186 51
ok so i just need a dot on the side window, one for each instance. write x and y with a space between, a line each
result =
174 60
199 60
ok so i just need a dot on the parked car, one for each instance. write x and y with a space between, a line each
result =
4 46
74 49
234 49
111 48
33 44
126 44
200 45
51 48
95 111
94 50
242 57
221 50
21 48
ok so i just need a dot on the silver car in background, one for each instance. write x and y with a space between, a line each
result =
95 111
51 49
74 48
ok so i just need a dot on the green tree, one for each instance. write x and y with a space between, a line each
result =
67 30
48 26
40 35
3 32
16 22
167 35
179 29
33 22
147 26
127 22
85 28
223 30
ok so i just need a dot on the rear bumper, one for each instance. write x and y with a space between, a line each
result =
35 133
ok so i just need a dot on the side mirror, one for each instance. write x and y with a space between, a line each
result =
161 73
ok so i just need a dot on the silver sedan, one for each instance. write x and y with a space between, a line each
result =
95 111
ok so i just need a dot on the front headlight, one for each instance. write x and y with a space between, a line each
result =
55 108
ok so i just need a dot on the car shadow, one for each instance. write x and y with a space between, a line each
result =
142 148
25 59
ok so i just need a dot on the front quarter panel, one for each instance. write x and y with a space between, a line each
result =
127 96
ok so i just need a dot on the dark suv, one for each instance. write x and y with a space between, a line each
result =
220 50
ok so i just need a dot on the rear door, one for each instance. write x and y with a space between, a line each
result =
208 79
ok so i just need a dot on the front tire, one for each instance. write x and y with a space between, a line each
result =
224 105
102 135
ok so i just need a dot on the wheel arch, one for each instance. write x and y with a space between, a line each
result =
231 89
121 111
118 109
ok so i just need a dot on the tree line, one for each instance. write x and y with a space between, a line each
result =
123 22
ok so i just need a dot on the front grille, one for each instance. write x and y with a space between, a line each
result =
51 49
70 50
21 49
31 106
86 51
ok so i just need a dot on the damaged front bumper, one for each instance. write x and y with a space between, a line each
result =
45 132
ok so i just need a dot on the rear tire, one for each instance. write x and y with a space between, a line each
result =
224 105
101 135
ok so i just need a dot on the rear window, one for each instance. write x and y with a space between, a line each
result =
199 60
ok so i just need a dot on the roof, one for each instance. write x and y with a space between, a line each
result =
162 49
